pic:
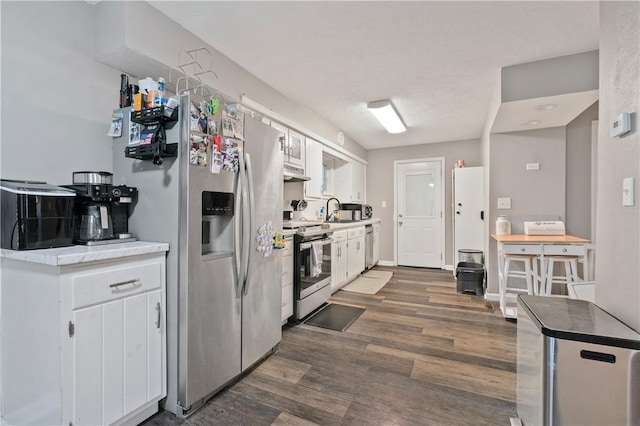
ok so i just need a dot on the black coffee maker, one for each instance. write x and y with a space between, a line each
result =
102 209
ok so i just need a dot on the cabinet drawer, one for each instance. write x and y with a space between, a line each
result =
339 236
115 282
522 249
564 249
287 271
356 232
288 247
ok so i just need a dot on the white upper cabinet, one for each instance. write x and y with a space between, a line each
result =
293 146
358 178
295 153
350 181
313 187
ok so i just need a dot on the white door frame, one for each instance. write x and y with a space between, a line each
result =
395 205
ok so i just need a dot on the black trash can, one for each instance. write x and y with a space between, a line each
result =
470 278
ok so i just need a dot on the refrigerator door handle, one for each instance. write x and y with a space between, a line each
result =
246 227
251 219
239 222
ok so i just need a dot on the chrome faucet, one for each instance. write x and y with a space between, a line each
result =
328 216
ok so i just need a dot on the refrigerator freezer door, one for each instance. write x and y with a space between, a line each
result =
262 304
209 310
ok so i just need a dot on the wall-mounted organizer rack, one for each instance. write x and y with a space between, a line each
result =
153 141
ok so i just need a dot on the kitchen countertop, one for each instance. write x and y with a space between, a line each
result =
355 223
79 254
538 239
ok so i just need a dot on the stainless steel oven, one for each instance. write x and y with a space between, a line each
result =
312 269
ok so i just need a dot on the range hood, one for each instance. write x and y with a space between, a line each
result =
294 174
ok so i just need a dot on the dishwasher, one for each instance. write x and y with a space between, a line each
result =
368 246
576 364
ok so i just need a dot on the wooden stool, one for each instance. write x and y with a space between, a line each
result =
530 275
570 264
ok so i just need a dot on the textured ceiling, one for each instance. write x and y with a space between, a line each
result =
439 62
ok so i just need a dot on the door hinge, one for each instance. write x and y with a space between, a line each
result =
72 329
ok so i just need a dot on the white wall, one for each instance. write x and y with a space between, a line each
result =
57 101
618 227
122 41
565 74
380 184
578 208
534 195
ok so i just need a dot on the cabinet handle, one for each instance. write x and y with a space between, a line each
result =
159 315
564 250
134 282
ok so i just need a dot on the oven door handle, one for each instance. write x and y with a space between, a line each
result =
307 246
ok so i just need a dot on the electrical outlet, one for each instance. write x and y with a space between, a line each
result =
384 204
533 166
504 203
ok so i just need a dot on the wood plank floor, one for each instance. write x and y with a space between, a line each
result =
420 354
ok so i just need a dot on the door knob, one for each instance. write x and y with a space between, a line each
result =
400 223
400 215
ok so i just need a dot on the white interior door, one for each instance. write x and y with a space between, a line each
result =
468 205
419 214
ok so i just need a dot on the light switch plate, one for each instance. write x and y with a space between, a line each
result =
533 166
504 203
628 192
384 204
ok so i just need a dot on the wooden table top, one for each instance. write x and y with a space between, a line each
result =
559 239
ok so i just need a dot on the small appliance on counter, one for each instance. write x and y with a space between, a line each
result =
101 209
350 212
367 211
35 215
547 227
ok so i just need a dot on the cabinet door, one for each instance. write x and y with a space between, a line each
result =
344 259
313 169
296 149
356 257
284 142
117 368
376 246
358 171
335 266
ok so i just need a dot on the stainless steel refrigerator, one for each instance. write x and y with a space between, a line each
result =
223 284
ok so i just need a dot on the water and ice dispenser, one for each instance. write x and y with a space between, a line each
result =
217 224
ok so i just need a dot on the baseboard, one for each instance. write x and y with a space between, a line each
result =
492 297
448 267
386 263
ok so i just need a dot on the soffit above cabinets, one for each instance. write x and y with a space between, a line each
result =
531 114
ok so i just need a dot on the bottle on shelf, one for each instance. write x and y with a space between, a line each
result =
160 98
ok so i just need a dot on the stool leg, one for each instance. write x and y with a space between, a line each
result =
528 274
503 285
549 283
536 278
574 270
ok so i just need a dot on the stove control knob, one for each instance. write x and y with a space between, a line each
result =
116 192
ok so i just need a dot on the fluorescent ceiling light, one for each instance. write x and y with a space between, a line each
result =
387 116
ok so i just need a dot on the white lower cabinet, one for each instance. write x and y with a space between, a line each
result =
355 264
287 279
376 243
339 259
83 344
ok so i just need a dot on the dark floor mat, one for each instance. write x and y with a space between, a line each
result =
335 317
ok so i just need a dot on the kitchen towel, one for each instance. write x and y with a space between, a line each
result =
316 258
